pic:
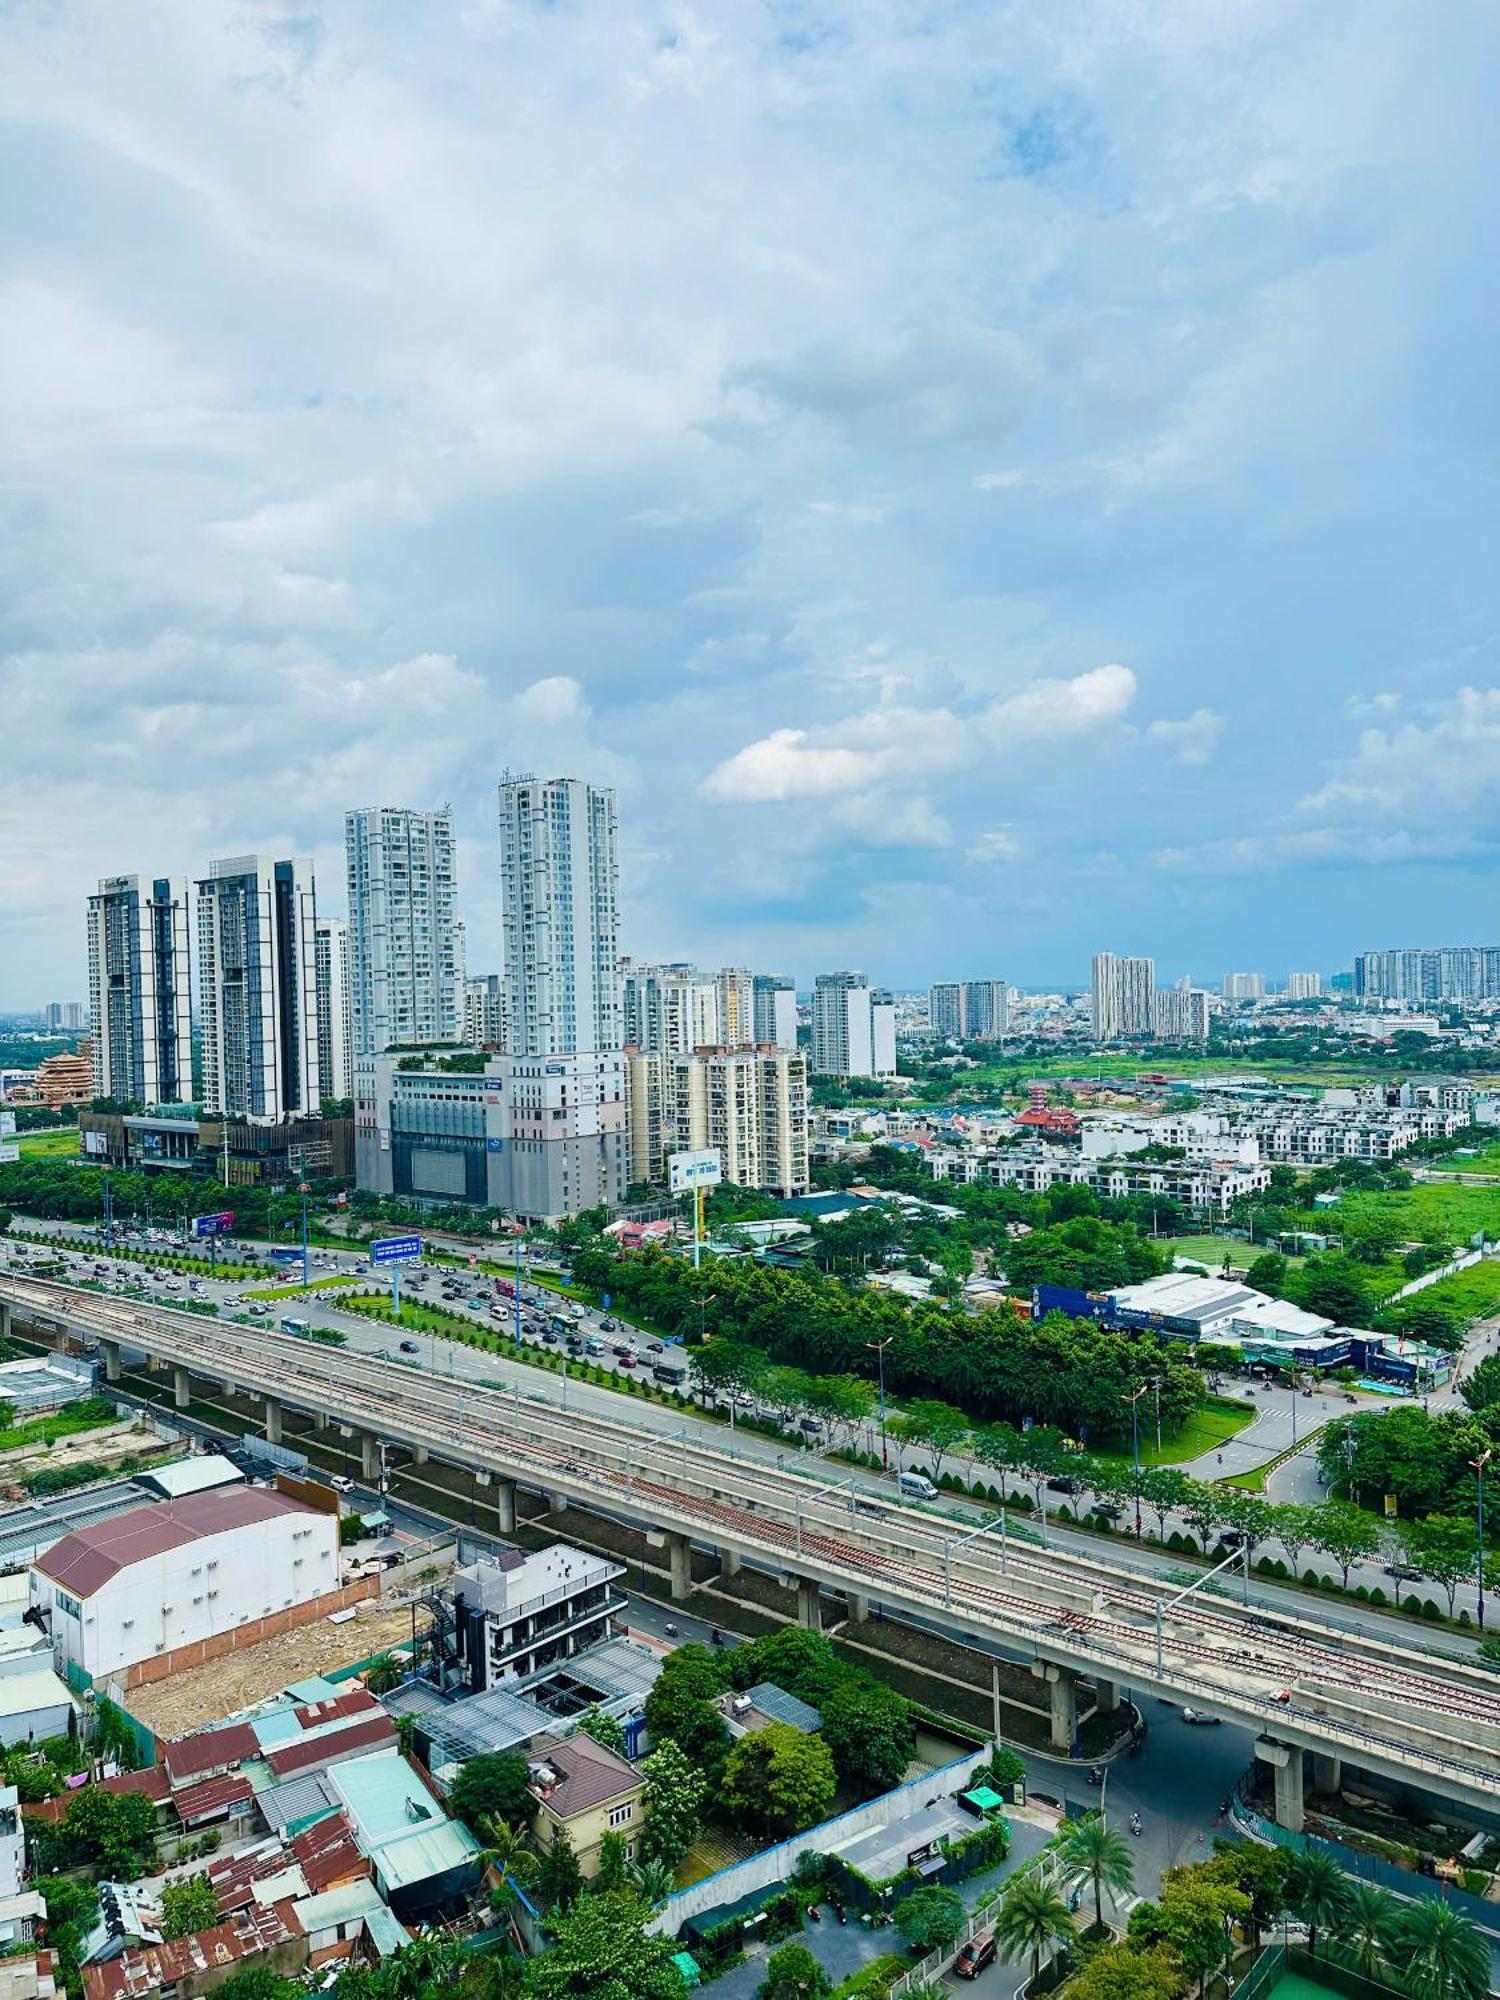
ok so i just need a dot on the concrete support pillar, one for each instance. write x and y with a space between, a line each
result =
680 1556
995 1718
859 1606
181 1387
419 1454
273 1420
1106 1695
4 1319
1327 1774
1286 1763
228 1385
505 1506
1062 1702
809 1612
729 1562
369 1457
111 1350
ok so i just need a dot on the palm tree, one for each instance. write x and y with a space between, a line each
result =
1099 1854
1319 1892
1031 1918
507 1853
1439 1953
653 1880
1365 1929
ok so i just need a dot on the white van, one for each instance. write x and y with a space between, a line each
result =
918 1485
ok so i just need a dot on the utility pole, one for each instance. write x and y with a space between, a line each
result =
1479 1464
304 1190
879 1347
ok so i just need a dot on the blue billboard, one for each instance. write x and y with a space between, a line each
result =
395 1249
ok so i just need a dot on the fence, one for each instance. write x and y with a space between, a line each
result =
1443 1271
743 1878
930 1969
1263 1976
1374 1868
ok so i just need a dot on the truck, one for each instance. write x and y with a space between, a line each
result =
672 1368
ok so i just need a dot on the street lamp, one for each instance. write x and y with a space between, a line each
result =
1479 1464
304 1190
879 1347
1135 1449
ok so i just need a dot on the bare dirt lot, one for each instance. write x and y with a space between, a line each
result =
206 1694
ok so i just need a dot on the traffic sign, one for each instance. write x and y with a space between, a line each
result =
395 1249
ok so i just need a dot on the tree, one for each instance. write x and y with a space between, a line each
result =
1203 1509
559 1876
672 1804
1439 1953
1123 1972
115 1829
1295 1527
600 1952
604 1729
258 1982
1445 1549
999 1447
1032 1919
1165 1491
868 1728
1317 1891
680 1707
937 1426
187 1906
1480 1389
492 1786
613 1871
386 1672
1099 1854
1346 1533
1192 1919
1364 1930
507 1852
779 1780
652 1881
929 1919
792 1973
1260 1872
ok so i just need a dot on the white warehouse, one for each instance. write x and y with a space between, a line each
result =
181 1572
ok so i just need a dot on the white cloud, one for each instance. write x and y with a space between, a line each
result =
886 819
1191 741
1421 771
999 843
1052 708
787 765
557 699
1325 846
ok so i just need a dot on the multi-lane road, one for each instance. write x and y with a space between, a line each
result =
1383 1706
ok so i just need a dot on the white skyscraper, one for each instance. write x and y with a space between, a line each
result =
139 993
853 1029
406 965
1124 996
258 988
736 1006
775 1002
1304 985
974 1010
335 1016
1244 986
560 879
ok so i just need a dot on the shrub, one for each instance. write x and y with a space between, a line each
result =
1310 1578
1378 1596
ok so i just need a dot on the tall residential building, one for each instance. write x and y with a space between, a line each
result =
560 880
258 987
1304 985
66 1015
668 1009
1459 973
1124 996
775 1004
1182 1014
139 993
736 992
853 1028
970 1010
335 1007
484 1011
1244 986
406 967
749 1104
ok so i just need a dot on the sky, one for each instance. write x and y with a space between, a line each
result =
986 483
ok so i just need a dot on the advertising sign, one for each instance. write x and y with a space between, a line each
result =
687 1171
395 1249
9 1155
7 1124
214 1225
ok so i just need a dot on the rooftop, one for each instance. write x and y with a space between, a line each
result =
199 1474
579 1773
91 1557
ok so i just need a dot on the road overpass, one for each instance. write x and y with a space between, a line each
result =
1383 1706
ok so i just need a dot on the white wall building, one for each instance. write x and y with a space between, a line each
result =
847 1037
1244 986
1124 996
335 1017
168 1575
560 878
775 1002
258 988
971 1010
1181 1014
1304 985
735 987
750 1104
140 999
406 956
484 1011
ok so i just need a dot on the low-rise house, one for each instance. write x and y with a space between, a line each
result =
586 1792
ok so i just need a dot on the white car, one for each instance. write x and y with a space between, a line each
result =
1199 1718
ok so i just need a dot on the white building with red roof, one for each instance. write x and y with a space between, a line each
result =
180 1573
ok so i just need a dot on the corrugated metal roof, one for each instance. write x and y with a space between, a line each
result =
298 1800
187 1757
84 1561
313 1752
200 1474
36 1687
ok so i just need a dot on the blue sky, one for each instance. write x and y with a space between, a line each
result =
986 483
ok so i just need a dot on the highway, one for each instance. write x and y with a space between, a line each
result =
1382 1705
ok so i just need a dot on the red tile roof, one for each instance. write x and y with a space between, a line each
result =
152 1784
211 1797
83 1561
315 1714
313 1752
210 1750
147 1968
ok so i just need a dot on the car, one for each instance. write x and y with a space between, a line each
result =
619 1350
259 1311
1110 1510
609 1326
655 1347
1062 1485
1403 1572
341 1483
410 1347
628 1361
1199 1718
551 1336
975 1956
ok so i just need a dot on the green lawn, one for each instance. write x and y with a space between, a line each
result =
1212 1425
1212 1250
1485 1160
58 1143
1089 1063
1475 1292
1454 1212
297 1290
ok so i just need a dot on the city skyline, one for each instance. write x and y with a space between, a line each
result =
1054 511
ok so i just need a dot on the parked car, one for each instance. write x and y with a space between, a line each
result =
975 1956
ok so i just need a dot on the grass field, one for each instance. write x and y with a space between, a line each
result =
1485 1160
1212 1250
1452 1212
296 1291
1205 1430
1475 1292
61 1143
